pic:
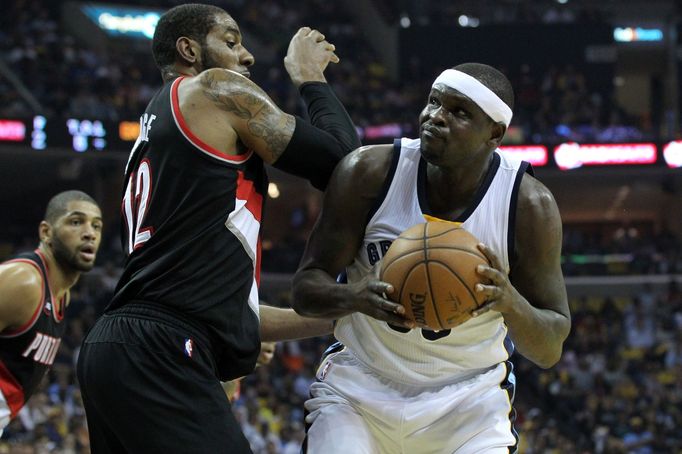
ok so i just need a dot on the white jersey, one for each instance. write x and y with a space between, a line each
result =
451 355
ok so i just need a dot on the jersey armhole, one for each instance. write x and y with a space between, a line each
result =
195 141
524 168
387 182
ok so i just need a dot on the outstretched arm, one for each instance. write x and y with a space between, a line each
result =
220 103
306 70
533 298
277 324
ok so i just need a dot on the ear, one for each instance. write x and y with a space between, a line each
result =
45 232
189 51
497 132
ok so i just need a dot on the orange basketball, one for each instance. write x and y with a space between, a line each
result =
432 267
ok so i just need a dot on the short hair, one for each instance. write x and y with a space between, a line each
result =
192 20
56 207
491 78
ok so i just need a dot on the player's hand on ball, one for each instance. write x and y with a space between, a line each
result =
500 294
367 296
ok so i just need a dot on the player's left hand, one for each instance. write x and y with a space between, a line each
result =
308 55
500 294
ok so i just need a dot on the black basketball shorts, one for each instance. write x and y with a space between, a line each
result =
148 385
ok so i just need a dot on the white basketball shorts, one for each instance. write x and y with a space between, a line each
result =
353 410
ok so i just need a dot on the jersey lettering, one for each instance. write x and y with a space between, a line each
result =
135 205
376 251
146 125
43 347
142 139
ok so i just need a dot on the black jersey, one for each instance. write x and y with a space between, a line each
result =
191 226
28 352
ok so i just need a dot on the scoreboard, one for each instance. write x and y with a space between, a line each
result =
83 135
79 135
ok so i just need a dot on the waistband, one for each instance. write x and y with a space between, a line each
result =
153 311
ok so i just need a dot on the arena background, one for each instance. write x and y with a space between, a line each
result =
597 111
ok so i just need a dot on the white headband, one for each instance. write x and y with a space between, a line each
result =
478 93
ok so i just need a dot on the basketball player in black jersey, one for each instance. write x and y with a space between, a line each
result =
185 313
34 293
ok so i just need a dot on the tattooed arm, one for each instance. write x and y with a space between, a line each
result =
258 122
229 112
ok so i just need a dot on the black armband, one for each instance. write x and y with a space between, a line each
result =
311 154
327 113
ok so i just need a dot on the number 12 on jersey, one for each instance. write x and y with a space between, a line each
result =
135 205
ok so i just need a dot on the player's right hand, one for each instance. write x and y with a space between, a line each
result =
368 296
308 55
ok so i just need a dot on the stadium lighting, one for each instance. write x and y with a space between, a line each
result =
672 153
123 21
273 190
637 34
405 21
573 155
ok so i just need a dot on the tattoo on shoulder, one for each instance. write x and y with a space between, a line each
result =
263 118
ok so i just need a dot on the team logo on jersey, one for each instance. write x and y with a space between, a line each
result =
189 347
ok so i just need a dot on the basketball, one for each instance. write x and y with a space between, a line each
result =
432 267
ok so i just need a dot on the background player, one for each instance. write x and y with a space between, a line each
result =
34 294
185 312
391 389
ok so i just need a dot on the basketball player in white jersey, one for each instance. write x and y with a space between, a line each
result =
387 388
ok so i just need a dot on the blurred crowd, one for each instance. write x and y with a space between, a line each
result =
66 77
618 386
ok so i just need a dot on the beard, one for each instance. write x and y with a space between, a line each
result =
68 259
207 62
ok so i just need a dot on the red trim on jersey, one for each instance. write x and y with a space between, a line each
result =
246 191
29 324
258 256
57 316
11 390
193 139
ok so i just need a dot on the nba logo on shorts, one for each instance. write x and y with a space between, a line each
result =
322 374
189 346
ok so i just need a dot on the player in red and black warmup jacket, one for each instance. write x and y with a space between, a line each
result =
185 313
34 293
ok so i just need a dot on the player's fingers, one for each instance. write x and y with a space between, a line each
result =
490 255
317 35
304 31
334 58
491 292
388 305
393 319
380 287
483 309
493 274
